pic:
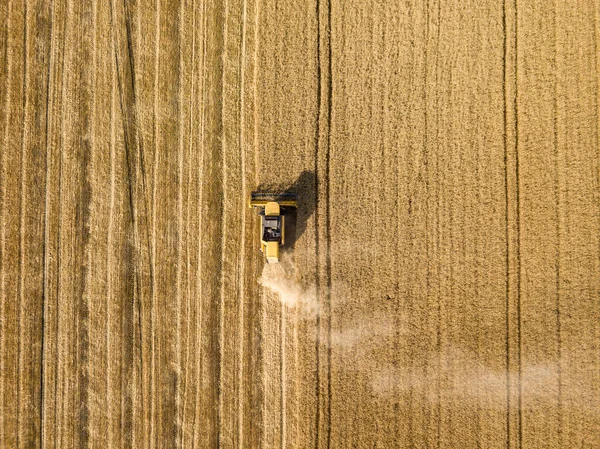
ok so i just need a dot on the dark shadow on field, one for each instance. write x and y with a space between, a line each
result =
296 219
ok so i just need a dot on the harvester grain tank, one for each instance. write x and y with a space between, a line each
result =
272 208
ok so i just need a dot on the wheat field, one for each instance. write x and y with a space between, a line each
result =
440 286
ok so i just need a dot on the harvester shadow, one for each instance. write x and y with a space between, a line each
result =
296 219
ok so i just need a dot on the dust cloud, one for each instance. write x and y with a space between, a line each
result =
281 279
462 377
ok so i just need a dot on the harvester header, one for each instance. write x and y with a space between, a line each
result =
260 199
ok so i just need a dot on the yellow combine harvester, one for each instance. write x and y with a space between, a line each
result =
272 208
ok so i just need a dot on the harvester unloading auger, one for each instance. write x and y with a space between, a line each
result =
272 207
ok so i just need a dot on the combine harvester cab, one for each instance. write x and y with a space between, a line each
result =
272 208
